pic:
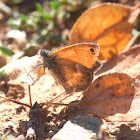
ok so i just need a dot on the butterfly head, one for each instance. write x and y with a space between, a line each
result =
45 55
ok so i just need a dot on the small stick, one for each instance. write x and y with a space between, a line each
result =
132 41
33 122
8 10
16 101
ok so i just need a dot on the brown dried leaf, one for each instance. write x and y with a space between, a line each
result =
125 62
110 24
26 69
113 97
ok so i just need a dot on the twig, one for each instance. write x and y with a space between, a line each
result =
132 41
15 101
33 122
8 10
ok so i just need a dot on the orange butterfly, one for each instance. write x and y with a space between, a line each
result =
73 65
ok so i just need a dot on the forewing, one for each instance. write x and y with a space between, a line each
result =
84 53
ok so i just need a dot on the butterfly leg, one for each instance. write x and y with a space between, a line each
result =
68 95
56 97
30 97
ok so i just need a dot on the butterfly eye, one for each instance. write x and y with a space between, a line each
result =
43 53
40 52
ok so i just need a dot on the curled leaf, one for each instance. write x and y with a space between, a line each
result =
26 69
109 24
113 97
126 62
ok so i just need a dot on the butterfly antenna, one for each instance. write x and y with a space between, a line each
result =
38 77
35 67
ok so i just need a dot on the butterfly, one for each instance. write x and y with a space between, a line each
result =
73 66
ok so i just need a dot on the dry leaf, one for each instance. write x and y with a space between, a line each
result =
125 62
26 69
113 97
110 24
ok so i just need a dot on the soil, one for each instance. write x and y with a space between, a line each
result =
14 118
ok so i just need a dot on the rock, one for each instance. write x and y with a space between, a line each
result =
16 34
80 128
8 124
20 137
23 125
127 133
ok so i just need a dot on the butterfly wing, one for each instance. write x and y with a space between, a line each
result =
84 53
73 66
73 76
